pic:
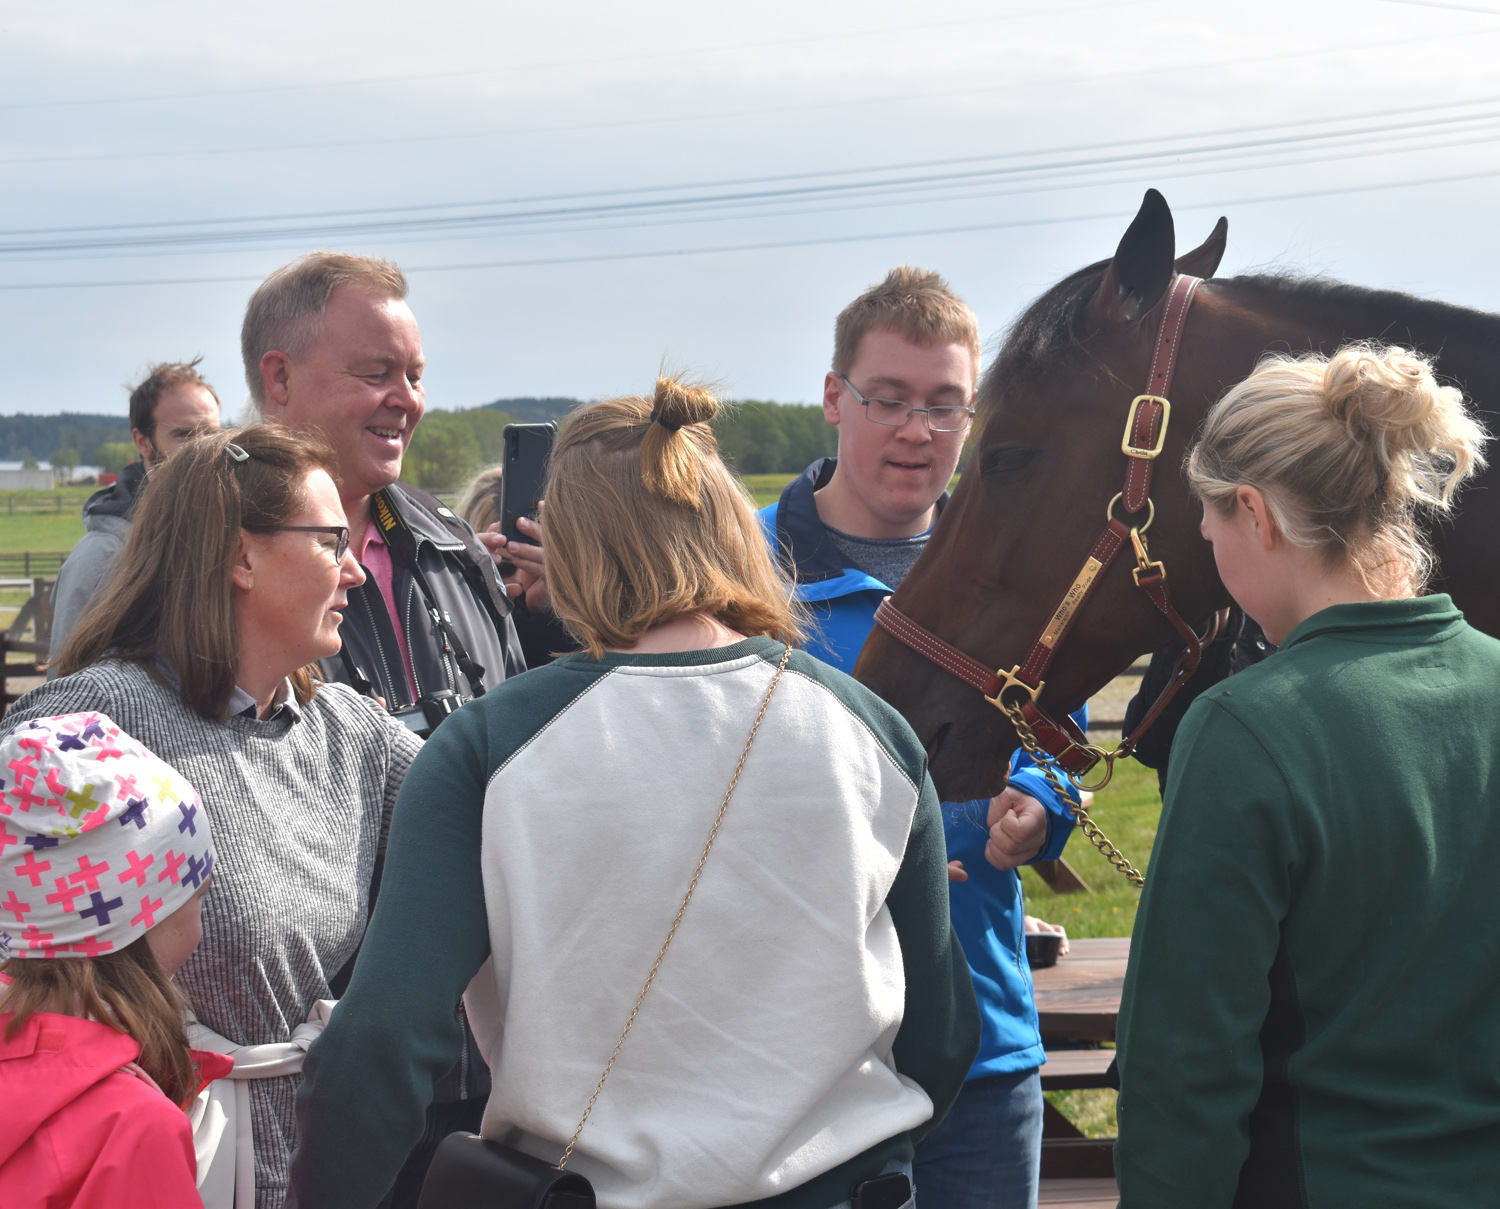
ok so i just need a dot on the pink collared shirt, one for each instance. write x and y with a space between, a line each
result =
375 557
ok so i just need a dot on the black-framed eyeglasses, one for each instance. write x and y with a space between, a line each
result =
893 413
340 532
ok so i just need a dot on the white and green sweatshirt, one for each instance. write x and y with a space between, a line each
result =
813 1017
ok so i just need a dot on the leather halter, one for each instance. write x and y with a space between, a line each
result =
1145 436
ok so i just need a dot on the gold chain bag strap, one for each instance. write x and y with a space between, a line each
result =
468 1171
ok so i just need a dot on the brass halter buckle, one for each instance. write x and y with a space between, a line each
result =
1009 680
1137 451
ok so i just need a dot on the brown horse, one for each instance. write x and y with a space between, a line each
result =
1047 460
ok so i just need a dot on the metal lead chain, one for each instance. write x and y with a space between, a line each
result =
562 1163
1080 812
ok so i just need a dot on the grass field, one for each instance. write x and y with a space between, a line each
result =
1126 811
41 520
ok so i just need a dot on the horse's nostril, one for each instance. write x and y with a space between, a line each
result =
937 741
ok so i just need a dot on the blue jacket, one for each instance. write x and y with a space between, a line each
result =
987 909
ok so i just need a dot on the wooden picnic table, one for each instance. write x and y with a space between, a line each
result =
1079 999
1080 996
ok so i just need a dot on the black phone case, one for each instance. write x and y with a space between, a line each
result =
526 448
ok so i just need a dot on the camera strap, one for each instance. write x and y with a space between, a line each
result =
405 545
473 672
358 681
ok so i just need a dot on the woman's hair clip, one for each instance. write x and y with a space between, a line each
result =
234 451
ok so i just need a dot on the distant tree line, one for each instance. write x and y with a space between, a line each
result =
68 438
755 437
450 447
774 438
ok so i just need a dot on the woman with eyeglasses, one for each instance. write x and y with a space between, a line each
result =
201 646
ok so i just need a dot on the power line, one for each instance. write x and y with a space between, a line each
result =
773 178
768 245
643 56
679 118
877 183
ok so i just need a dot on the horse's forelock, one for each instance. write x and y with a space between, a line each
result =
1044 338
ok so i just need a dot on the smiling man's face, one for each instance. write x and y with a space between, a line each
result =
889 479
360 384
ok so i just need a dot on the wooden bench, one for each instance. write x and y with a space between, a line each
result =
1066 1069
1079 1194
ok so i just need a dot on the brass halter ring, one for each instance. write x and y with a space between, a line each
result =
1109 511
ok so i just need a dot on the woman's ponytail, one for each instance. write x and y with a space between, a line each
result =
671 452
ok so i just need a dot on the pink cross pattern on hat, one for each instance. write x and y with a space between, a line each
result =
56 785
127 786
88 873
16 907
25 799
90 947
173 861
6 839
35 938
36 744
32 868
108 749
149 907
25 767
137 870
65 894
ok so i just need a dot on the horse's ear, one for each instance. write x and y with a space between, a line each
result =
1142 268
1204 259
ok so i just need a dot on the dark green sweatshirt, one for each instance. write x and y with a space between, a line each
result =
1312 1009
813 1017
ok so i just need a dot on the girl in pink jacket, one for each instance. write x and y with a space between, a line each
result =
105 856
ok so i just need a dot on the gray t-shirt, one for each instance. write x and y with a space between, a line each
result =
887 559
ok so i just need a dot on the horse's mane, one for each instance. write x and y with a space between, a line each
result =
1045 340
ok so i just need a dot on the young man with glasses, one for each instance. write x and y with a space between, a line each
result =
901 392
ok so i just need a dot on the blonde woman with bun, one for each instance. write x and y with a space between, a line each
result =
1309 1015
813 1017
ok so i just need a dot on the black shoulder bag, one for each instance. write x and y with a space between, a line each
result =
471 1172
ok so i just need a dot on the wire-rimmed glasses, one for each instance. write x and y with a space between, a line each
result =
893 413
340 532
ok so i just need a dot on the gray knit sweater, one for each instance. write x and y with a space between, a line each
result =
300 805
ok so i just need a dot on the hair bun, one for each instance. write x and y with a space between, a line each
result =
676 404
1391 403
671 460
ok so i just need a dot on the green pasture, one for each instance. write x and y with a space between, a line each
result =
766 488
1126 811
41 520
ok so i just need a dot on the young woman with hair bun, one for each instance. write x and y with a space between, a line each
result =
1308 1016
812 1015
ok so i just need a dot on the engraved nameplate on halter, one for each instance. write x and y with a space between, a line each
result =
1070 603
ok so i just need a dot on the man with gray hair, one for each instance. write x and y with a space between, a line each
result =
329 343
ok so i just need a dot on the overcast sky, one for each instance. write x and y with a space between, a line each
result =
704 184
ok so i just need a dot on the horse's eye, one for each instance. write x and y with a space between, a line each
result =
1006 460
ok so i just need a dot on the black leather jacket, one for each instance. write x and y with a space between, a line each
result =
420 530
466 588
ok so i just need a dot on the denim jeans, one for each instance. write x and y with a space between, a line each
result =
987 1153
